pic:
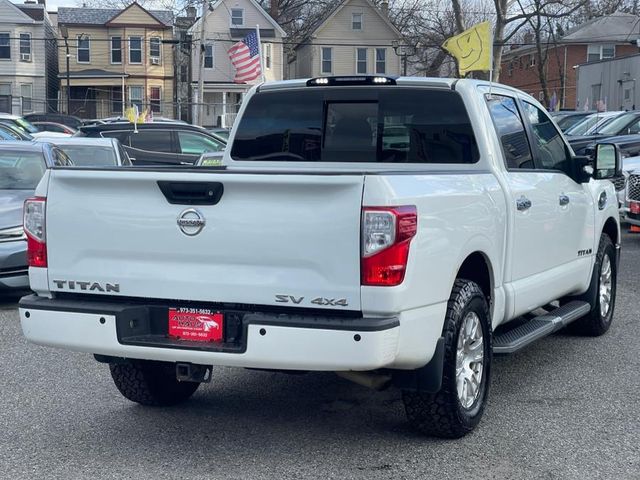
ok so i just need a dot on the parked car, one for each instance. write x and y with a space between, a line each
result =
567 119
68 120
18 123
316 248
630 211
92 152
210 159
54 127
13 132
625 124
22 165
158 143
102 121
591 123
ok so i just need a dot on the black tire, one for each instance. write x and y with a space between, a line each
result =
151 383
441 414
594 323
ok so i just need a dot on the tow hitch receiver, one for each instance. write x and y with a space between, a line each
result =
189 372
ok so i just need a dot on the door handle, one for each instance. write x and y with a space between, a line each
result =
563 200
523 203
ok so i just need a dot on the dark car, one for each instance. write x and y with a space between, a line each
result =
22 165
625 124
158 143
9 132
566 120
68 120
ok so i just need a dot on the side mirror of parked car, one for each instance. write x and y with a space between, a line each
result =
606 161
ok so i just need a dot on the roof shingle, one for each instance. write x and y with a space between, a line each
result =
100 16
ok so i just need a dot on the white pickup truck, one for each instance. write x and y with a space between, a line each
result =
320 244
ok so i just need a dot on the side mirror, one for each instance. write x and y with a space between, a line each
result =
606 161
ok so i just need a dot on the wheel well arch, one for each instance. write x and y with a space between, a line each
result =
610 227
477 268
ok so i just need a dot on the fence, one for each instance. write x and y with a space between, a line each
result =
213 114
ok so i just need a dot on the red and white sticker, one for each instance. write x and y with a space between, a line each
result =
195 325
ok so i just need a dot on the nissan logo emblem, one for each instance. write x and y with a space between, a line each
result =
191 222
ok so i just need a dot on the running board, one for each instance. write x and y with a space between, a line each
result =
539 327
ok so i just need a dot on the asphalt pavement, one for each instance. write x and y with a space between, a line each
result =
566 408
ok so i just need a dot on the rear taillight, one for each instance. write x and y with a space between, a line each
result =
386 235
634 207
34 227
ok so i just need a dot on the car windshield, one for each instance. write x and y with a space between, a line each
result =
90 155
356 125
20 170
26 125
584 125
618 124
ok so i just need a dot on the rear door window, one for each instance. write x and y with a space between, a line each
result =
195 144
392 125
152 140
511 132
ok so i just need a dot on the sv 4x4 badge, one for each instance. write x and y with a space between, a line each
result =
341 302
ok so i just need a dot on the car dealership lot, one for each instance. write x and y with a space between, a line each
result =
567 407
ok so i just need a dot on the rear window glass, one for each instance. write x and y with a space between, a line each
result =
20 170
90 155
397 125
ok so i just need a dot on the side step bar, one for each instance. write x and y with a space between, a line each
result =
519 337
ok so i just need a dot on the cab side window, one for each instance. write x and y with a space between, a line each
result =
551 151
511 132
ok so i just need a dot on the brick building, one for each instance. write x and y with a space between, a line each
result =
601 38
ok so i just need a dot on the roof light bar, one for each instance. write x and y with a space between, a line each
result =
350 80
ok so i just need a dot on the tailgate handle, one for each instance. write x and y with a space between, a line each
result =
192 193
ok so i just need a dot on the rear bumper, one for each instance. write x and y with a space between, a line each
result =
273 341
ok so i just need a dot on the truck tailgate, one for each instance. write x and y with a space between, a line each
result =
292 235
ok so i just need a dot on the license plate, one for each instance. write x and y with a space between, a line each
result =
196 325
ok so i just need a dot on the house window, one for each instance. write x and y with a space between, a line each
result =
208 54
84 49
154 49
237 17
5 46
183 73
116 100
25 47
361 60
267 56
381 60
26 92
599 52
356 21
5 89
135 97
135 49
510 69
154 99
532 61
327 66
116 49
540 96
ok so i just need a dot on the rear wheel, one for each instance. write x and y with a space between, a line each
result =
457 408
151 383
598 320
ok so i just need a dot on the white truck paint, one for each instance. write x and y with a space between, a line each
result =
286 233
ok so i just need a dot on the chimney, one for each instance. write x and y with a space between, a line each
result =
191 12
384 7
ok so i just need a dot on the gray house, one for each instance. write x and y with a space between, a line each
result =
28 58
610 84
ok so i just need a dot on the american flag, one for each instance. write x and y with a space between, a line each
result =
245 56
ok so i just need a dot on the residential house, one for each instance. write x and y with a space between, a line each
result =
28 58
183 51
225 23
117 58
598 39
355 37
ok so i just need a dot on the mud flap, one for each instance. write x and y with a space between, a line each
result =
424 379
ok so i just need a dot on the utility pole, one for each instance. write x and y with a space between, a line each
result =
203 20
65 35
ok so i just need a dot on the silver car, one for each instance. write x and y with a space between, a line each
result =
91 152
